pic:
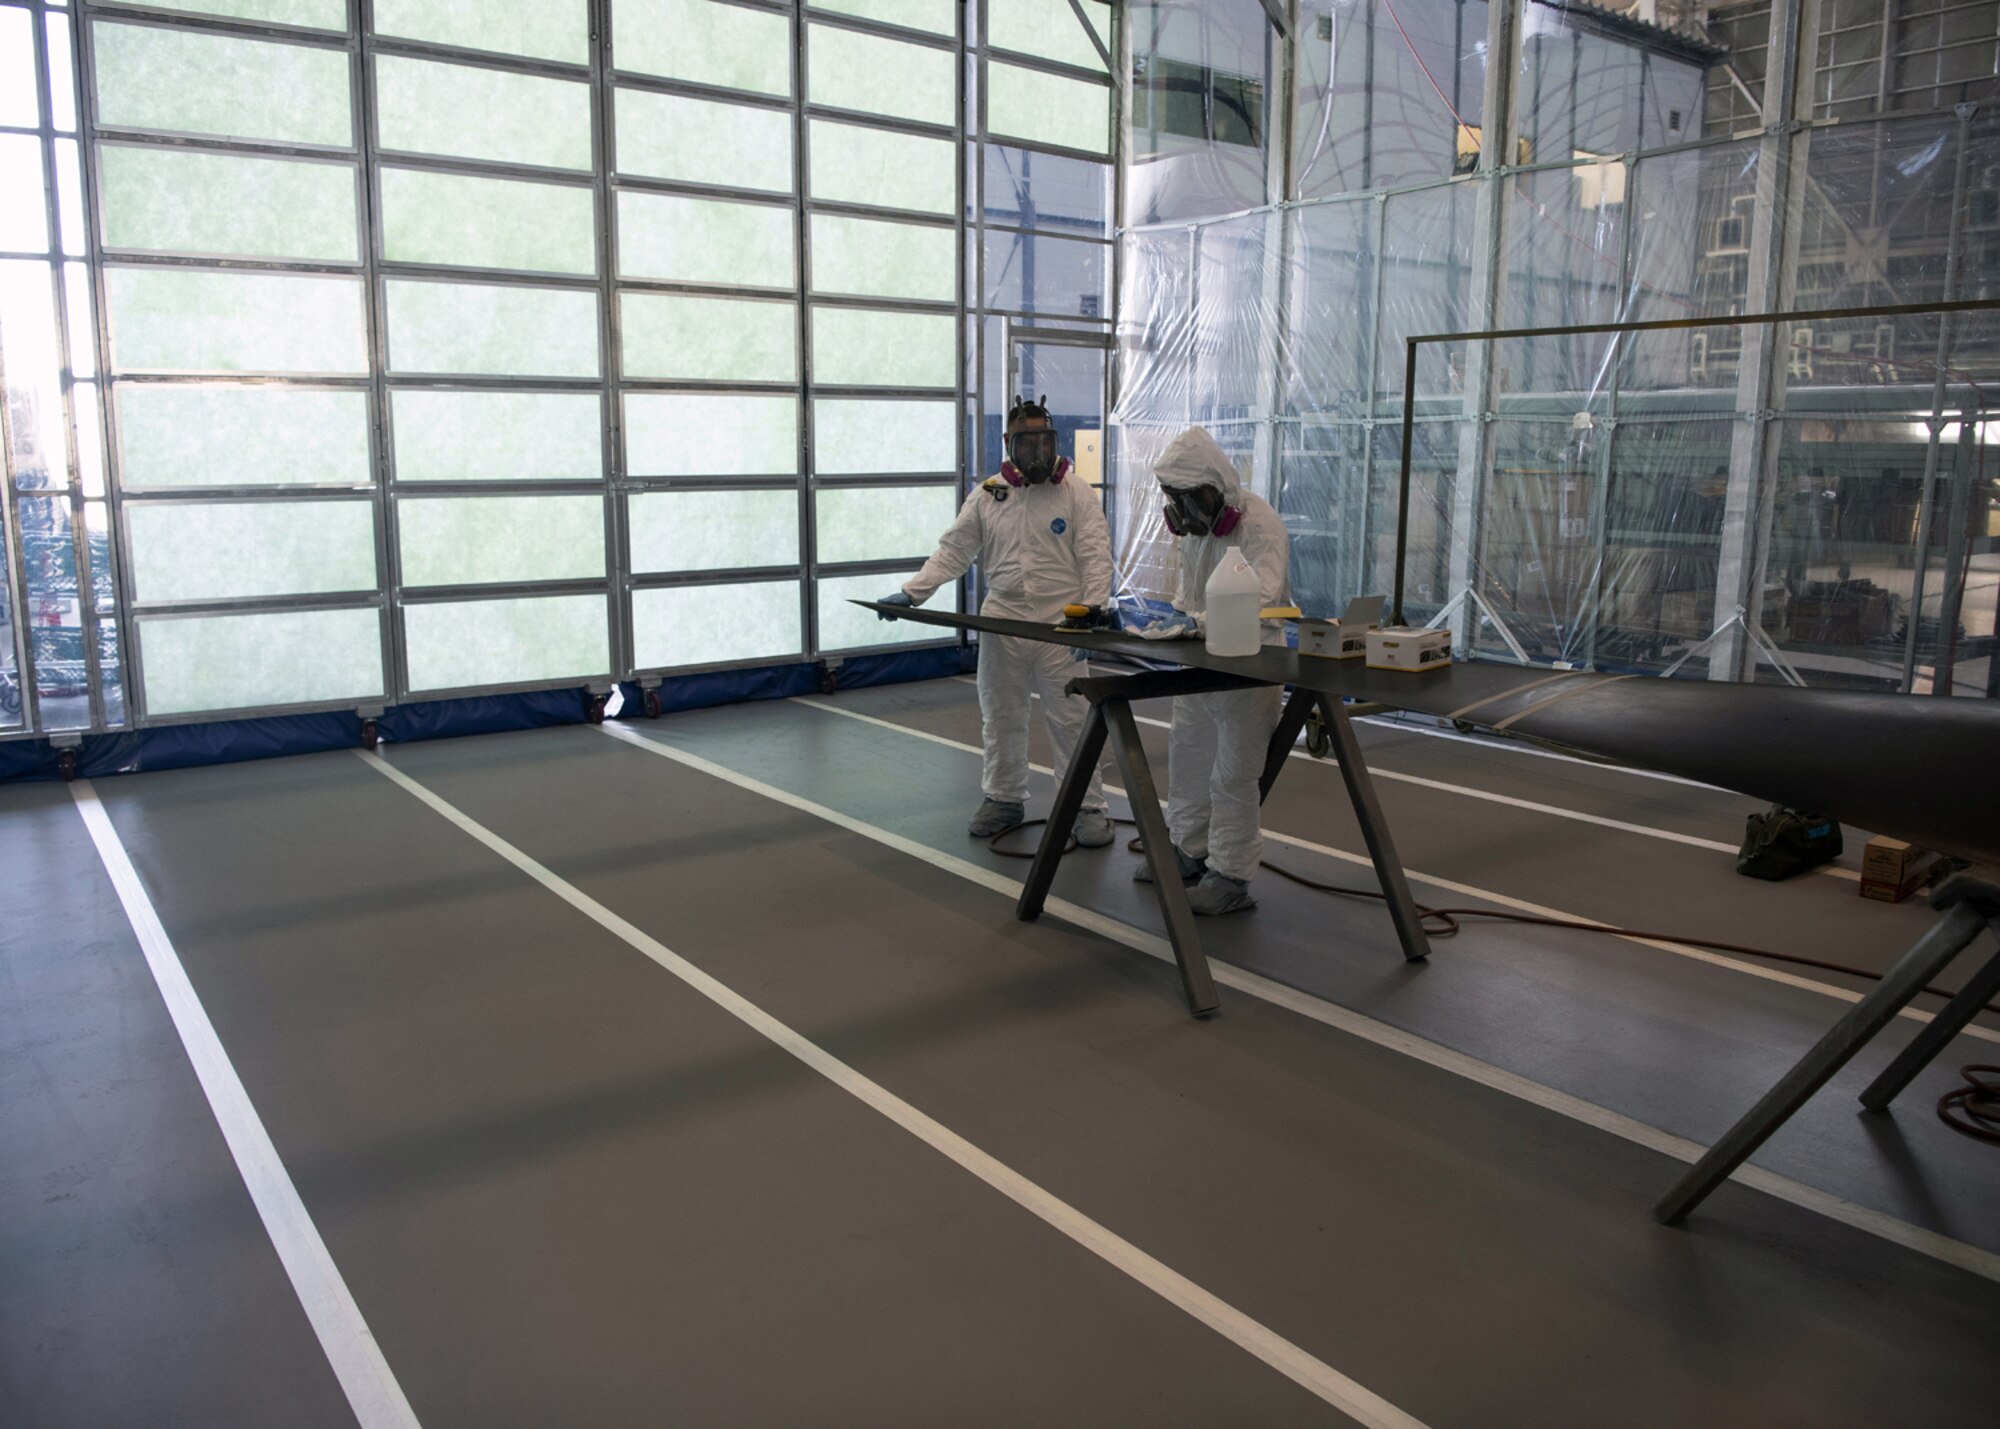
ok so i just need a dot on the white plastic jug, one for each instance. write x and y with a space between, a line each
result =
1234 600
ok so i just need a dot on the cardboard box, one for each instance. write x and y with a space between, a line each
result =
1891 870
1402 647
1333 641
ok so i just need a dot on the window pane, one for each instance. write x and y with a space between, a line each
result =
848 69
882 523
461 644
479 540
178 435
490 330
1039 273
497 436
187 82
226 662
430 108
541 29
872 166
667 336
226 205
706 43
866 438
69 197
486 223
24 224
698 141
62 75
869 258
940 17
317 14
177 320
20 100
1029 190
215 550
696 240
688 434
32 374
856 348
1049 29
849 627
713 530
1047 108
710 624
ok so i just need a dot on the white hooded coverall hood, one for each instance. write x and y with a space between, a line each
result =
1216 752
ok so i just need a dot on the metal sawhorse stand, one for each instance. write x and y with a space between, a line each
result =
1111 715
1971 906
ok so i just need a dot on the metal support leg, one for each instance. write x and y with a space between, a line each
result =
1949 937
1131 756
1925 1046
1284 737
1375 830
1069 802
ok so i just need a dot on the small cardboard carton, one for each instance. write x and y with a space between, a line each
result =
1891 870
1402 647
1345 638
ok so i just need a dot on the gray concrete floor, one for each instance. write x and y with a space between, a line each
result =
564 1188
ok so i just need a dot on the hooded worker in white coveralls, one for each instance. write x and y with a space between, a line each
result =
1216 752
1039 536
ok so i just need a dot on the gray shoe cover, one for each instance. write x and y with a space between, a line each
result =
993 818
1219 893
1191 868
1093 829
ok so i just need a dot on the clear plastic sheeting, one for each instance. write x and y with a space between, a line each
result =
1811 502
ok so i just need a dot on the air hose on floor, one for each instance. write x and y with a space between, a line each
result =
1973 1109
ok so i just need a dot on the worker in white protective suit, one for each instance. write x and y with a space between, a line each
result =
1216 751
1039 536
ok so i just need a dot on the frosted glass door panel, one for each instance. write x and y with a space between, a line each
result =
715 624
687 434
226 550
874 75
1042 108
184 82
674 531
467 644
882 523
706 43
487 223
178 435
861 438
491 540
231 662
940 17
884 170
180 320
849 627
541 29
698 141
227 205
497 436
314 14
492 330
1050 30
697 240
684 339
853 347
866 257
428 108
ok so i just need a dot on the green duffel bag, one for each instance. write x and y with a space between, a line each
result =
1784 842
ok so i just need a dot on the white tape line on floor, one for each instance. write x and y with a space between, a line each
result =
1315 1375
364 1375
